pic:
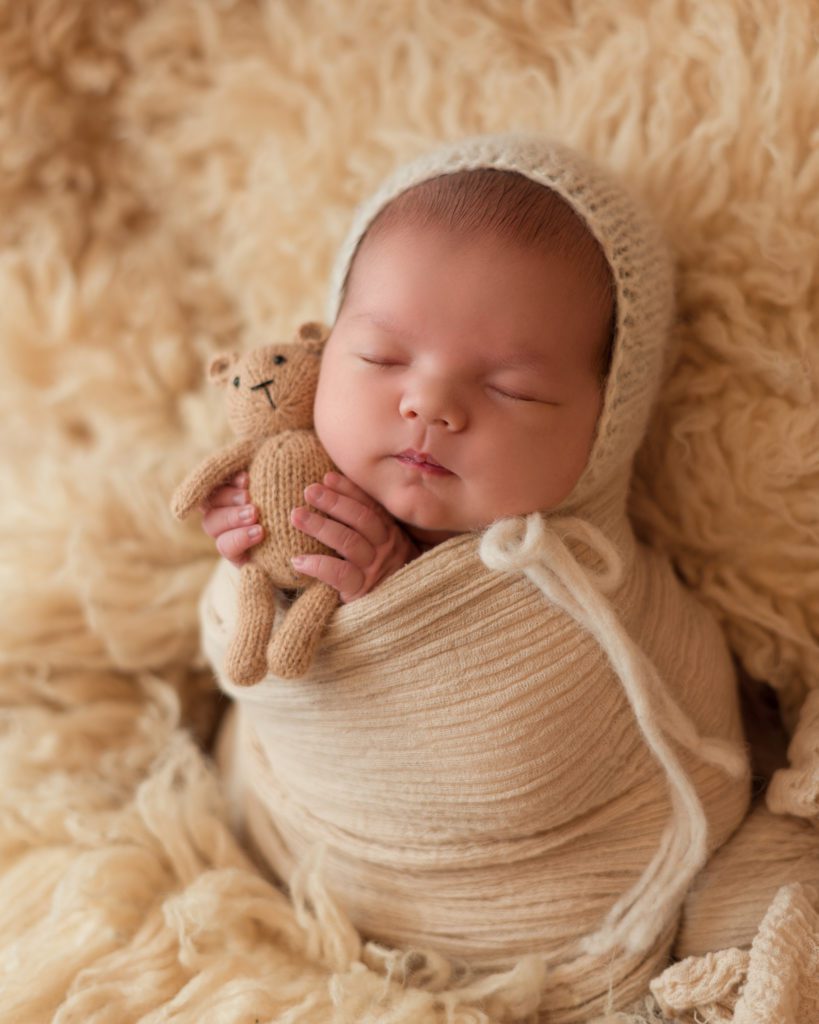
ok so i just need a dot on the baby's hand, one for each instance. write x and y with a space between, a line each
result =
231 520
371 544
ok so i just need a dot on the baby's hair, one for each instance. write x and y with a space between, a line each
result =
514 209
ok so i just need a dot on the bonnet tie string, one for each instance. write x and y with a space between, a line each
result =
540 550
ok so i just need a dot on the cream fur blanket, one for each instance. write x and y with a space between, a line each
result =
173 178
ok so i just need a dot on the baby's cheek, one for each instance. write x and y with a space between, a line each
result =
352 421
329 421
338 436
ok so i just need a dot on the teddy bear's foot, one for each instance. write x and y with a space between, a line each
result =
242 670
246 661
294 644
287 663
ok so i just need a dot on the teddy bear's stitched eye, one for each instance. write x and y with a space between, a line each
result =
236 382
278 360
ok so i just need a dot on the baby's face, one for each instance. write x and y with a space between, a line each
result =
460 383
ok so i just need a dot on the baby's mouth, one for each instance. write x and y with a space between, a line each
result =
422 461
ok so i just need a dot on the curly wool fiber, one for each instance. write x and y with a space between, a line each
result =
174 180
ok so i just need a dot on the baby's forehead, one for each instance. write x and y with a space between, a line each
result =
520 305
505 206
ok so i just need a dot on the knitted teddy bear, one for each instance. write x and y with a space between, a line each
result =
269 394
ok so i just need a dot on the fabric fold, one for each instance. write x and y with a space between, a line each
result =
537 548
494 798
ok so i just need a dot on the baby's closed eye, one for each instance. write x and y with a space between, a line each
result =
508 393
519 396
378 360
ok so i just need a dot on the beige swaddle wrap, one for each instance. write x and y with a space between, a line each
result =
525 742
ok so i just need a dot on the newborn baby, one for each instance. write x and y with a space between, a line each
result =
462 381
521 736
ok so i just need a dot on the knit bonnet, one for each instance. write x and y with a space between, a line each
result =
641 272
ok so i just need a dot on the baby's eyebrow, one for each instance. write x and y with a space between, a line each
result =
524 357
383 323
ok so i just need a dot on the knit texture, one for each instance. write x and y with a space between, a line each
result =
775 982
269 395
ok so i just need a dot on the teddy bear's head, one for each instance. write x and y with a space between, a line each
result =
272 388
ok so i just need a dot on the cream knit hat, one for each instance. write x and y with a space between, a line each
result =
640 266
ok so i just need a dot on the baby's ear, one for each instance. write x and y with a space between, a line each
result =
312 336
220 366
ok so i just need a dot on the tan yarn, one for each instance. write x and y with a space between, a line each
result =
269 398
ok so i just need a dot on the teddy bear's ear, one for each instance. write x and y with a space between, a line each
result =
312 336
220 366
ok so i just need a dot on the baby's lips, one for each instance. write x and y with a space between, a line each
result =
410 455
416 456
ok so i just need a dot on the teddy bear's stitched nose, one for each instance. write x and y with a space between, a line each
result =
264 384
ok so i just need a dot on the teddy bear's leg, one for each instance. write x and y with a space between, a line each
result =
245 661
295 642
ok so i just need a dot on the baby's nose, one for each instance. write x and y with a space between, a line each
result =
434 407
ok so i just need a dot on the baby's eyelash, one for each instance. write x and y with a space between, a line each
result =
511 394
514 397
372 361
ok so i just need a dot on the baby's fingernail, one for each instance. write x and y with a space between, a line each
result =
316 491
246 514
240 498
254 532
298 561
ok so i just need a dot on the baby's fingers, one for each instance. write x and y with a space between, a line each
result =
233 544
215 521
347 542
363 517
343 485
342 576
231 494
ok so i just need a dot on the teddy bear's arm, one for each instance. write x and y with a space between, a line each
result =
215 470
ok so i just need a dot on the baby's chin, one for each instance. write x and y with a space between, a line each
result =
425 517
430 536
430 529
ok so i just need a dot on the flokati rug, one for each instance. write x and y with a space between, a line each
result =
174 178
